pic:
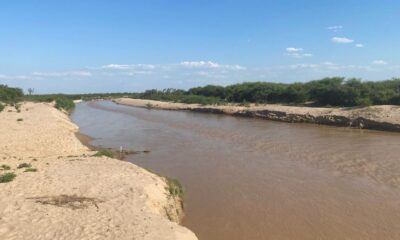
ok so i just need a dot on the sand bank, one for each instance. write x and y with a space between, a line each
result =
385 117
74 195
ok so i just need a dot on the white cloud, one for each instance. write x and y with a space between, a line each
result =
328 66
128 66
297 52
335 28
379 62
359 45
342 40
210 65
293 50
63 74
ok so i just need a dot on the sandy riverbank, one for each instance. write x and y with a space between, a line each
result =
74 195
384 117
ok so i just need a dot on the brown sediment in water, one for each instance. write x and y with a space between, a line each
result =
119 154
84 139
73 194
384 118
247 178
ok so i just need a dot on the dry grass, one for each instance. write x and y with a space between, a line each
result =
68 201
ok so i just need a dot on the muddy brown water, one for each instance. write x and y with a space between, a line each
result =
256 179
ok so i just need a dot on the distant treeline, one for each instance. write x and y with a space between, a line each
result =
335 91
12 96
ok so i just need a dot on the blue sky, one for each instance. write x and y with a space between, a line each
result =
97 46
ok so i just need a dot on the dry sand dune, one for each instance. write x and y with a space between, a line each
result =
74 195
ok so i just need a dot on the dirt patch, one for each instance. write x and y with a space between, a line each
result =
68 201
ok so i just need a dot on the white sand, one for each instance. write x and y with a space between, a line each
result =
126 202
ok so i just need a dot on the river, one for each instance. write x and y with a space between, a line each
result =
249 178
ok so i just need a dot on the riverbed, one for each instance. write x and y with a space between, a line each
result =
249 178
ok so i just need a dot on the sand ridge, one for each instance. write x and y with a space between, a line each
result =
74 195
383 117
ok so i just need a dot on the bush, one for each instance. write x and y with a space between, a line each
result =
24 165
64 103
195 99
7 177
104 152
5 167
10 95
2 107
175 188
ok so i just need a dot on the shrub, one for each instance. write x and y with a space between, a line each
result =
64 103
20 120
2 107
175 188
192 99
5 167
10 95
7 177
149 106
24 165
30 170
104 152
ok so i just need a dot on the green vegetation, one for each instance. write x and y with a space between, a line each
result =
104 152
5 167
10 95
177 95
24 165
7 177
2 107
30 170
64 103
175 188
336 91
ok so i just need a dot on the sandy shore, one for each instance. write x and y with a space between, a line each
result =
74 195
386 117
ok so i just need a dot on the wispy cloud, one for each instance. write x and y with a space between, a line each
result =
342 40
63 74
360 45
335 28
138 77
210 65
297 52
293 50
128 66
379 62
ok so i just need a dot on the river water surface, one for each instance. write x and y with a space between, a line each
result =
256 179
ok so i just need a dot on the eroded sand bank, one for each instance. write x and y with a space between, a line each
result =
385 117
74 195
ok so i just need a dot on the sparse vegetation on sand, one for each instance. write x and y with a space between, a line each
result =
5 167
175 188
20 120
104 152
31 170
24 165
69 201
7 177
